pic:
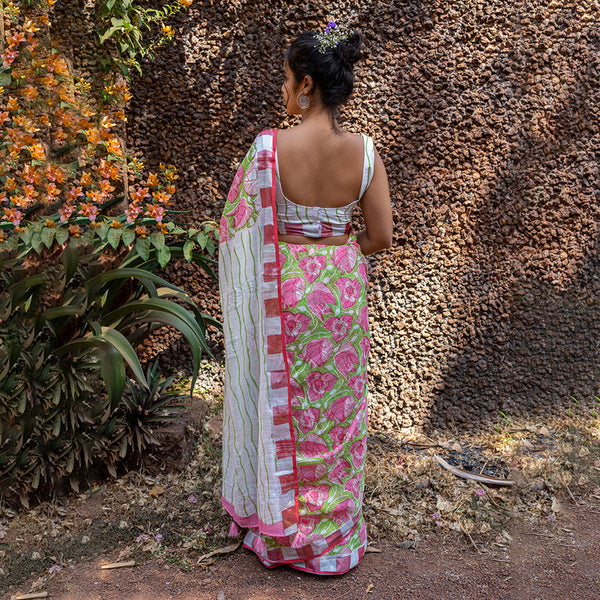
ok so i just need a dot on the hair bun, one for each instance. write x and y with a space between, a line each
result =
349 49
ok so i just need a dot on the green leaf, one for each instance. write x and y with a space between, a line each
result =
70 258
5 78
114 237
187 250
113 374
36 242
142 246
210 247
47 236
119 342
26 235
62 234
164 255
102 230
158 240
202 238
128 236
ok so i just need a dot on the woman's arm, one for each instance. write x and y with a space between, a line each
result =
377 212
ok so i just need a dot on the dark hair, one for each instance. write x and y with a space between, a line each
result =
331 71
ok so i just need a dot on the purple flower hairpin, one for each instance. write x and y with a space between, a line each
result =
331 37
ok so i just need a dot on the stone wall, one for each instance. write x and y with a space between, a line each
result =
486 114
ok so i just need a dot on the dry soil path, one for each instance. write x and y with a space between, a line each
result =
560 562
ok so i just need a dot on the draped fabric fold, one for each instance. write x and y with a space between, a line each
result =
294 411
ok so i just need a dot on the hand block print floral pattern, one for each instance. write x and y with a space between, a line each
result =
239 210
326 330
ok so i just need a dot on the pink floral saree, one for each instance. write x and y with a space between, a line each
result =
295 405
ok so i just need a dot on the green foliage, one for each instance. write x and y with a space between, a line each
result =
126 29
69 325
145 405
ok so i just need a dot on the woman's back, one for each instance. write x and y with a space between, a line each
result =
319 167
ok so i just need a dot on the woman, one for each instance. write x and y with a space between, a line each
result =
293 290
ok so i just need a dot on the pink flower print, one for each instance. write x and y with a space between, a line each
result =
223 230
353 486
314 496
340 471
358 450
362 271
294 325
295 390
240 213
307 523
338 435
319 384
297 249
312 266
343 511
292 291
320 300
344 257
311 472
349 291
251 180
235 186
363 318
339 326
306 419
317 352
313 445
341 409
357 383
365 344
347 359
362 534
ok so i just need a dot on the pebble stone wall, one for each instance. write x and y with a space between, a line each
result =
486 114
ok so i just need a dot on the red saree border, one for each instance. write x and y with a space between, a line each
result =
283 340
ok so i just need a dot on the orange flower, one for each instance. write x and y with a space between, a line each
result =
162 228
12 104
155 211
52 189
114 147
167 31
37 152
170 176
116 225
49 223
106 187
93 135
29 26
11 184
106 122
74 193
94 196
152 180
171 189
4 116
185 3
29 191
108 170
141 231
13 215
20 201
161 197
75 230
85 179
139 194
55 174
30 92
89 210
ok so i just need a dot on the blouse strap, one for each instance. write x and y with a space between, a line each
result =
368 164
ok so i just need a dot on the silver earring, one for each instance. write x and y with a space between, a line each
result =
303 101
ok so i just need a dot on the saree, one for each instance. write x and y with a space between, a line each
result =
295 406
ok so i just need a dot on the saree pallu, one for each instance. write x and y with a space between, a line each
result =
295 410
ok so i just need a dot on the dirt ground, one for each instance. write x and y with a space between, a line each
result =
558 562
